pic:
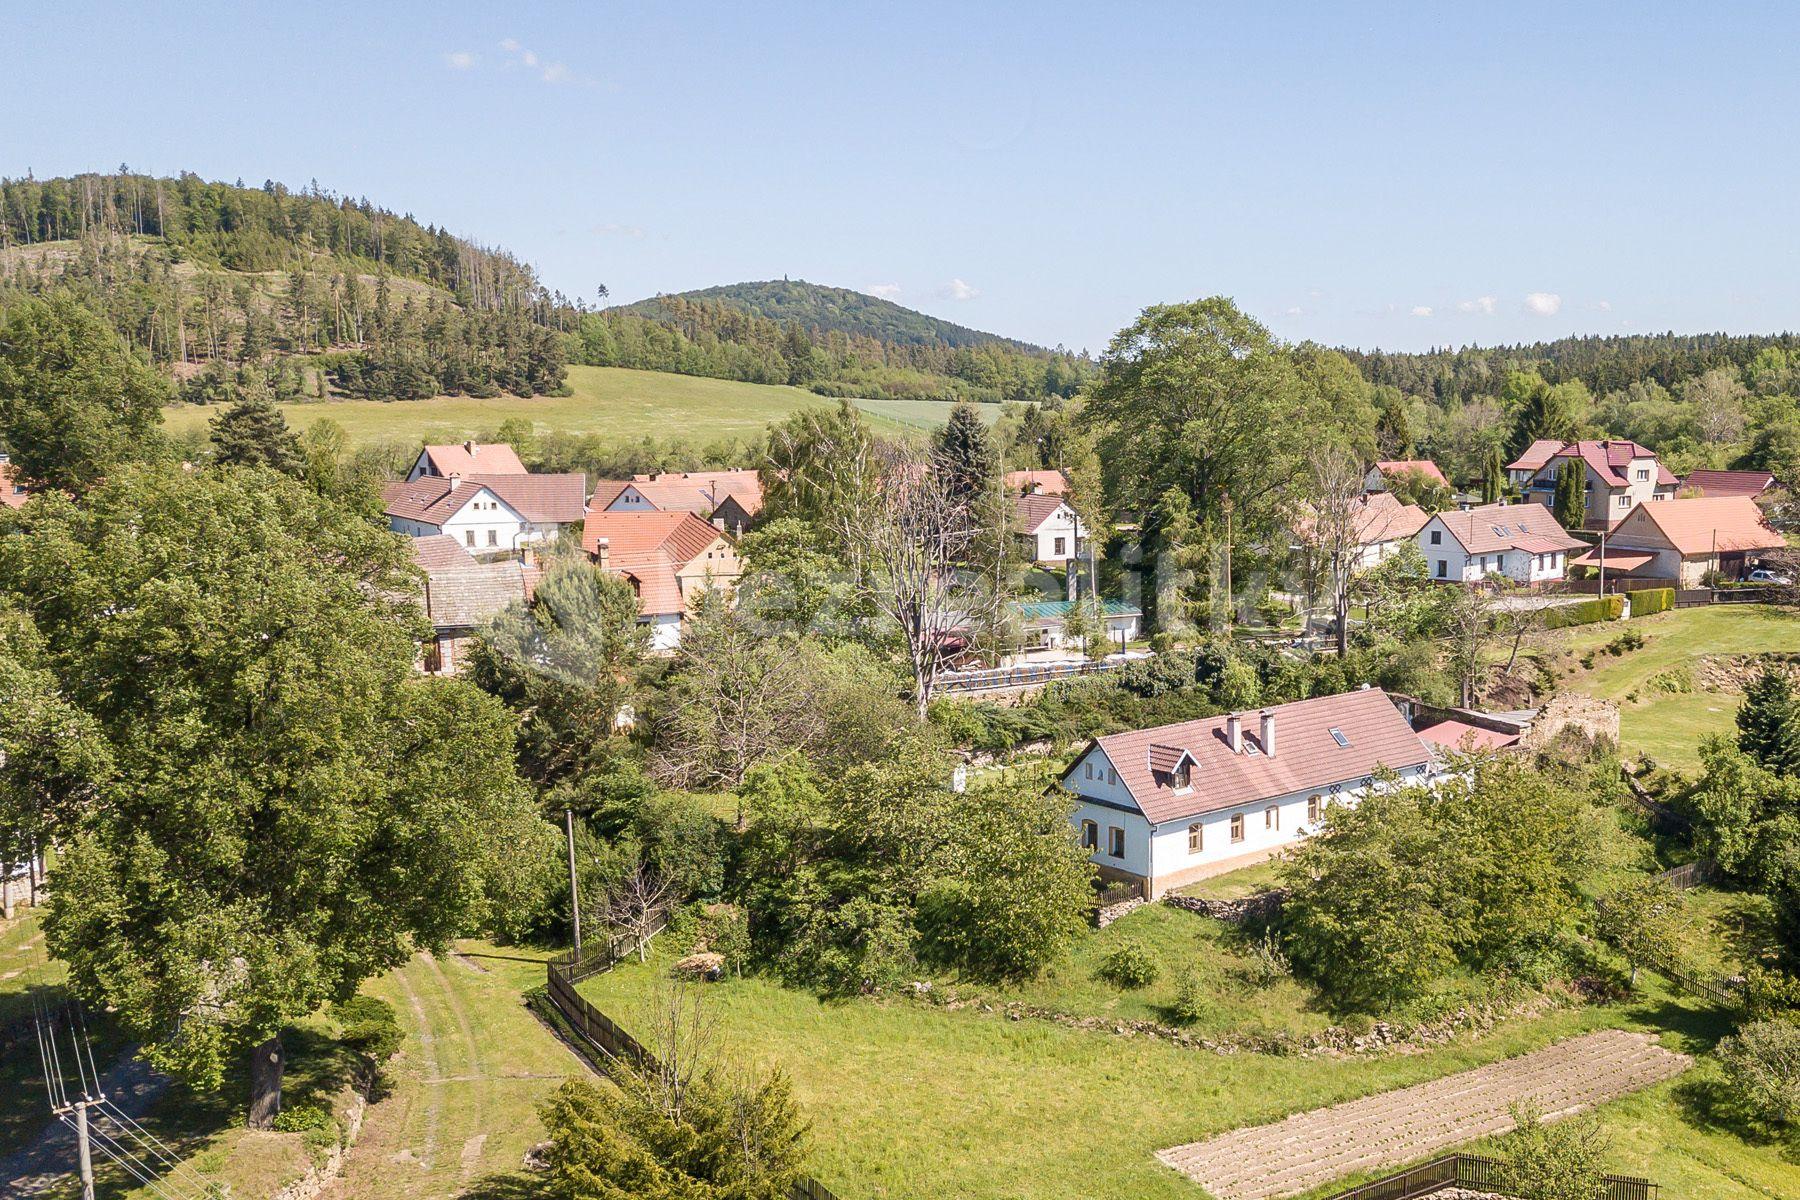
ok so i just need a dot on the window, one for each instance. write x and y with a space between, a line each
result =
469 536
1196 839
1337 735
1181 778
1643 472
1624 500
1437 537
1088 769
1237 827
1312 810
493 537
1112 776
1443 568
1061 544
1272 817
1115 841
1090 836
434 656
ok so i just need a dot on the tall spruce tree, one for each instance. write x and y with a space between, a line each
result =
253 433
1768 723
967 454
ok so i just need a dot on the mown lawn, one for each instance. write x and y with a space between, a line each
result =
623 405
1670 726
908 1100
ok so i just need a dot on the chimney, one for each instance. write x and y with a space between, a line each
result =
1268 733
1234 733
603 553
470 447
455 480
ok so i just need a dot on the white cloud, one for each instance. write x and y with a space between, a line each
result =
887 291
614 229
1604 305
460 60
1485 305
1421 310
1544 304
550 72
1294 311
510 45
956 289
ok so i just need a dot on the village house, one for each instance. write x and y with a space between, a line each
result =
728 499
1048 529
12 492
1164 807
461 595
669 558
1522 542
1037 483
1383 474
465 459
1042 624
1616 475
1381 525
488 514
1683 540
1726 483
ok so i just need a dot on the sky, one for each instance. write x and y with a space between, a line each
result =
1394 176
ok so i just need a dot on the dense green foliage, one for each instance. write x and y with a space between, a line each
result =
1541 1160
190 271
1481 872
1649 601
1762 1069
285 807
1585 612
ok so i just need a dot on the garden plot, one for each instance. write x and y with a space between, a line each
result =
1394 1128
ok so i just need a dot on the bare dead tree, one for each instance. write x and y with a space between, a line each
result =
1340 524
637 903
915 546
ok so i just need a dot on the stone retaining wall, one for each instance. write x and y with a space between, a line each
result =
1264 906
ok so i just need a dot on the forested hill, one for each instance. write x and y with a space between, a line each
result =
306 291
830 310
831 340
1602 364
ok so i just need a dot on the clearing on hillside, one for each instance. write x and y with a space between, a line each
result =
1390 1129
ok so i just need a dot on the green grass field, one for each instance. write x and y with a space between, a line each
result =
611 401
1669 726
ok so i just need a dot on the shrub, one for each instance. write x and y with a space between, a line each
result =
298 1118
368 1026
1266 965
1673 681
1540 1161
1600 608
1190 997
1129 965
1762 1069
1652 600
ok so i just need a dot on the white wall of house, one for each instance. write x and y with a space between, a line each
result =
1606 502
630 499
1164 854
1445 559
484 522
665 630
1058 537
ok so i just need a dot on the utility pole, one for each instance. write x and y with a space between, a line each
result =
574 895
87 1157
1603 562
1225 503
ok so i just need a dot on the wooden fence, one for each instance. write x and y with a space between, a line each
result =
1474 1172
1722 992
996 679
604 1034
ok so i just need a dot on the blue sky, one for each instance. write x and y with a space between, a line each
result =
1399 176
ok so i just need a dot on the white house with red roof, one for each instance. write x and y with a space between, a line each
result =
1383 473
465 459
1522 542
669 558
1167 806
1037 483
1048 528
1617 476
729 499
1684 540
487 514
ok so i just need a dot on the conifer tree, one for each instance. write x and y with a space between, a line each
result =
253 433
1768 723
1570 504
966 453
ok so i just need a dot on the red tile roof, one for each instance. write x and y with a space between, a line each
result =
475 458
1034 510
432 500
1729 483
1421 466
688 491
1706 524
1379 517
1050 483
1306 756
649 548
1488 528
1456 735
1536 455
12 493
1607 458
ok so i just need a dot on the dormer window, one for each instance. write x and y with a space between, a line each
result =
1182 777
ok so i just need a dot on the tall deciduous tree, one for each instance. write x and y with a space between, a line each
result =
290 808
75 402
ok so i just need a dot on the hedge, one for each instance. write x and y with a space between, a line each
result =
1652 600
1600 608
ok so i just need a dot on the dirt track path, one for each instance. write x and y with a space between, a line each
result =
1394 1128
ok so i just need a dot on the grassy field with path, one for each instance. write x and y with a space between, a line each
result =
613 402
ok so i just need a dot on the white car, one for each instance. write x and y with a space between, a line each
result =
1764 575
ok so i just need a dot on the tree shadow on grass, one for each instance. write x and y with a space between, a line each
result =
1707 1103
507 1185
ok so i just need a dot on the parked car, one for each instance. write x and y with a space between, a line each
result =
1765 575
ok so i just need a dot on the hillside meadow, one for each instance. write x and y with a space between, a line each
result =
612 401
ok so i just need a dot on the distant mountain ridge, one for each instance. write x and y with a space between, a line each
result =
827 309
